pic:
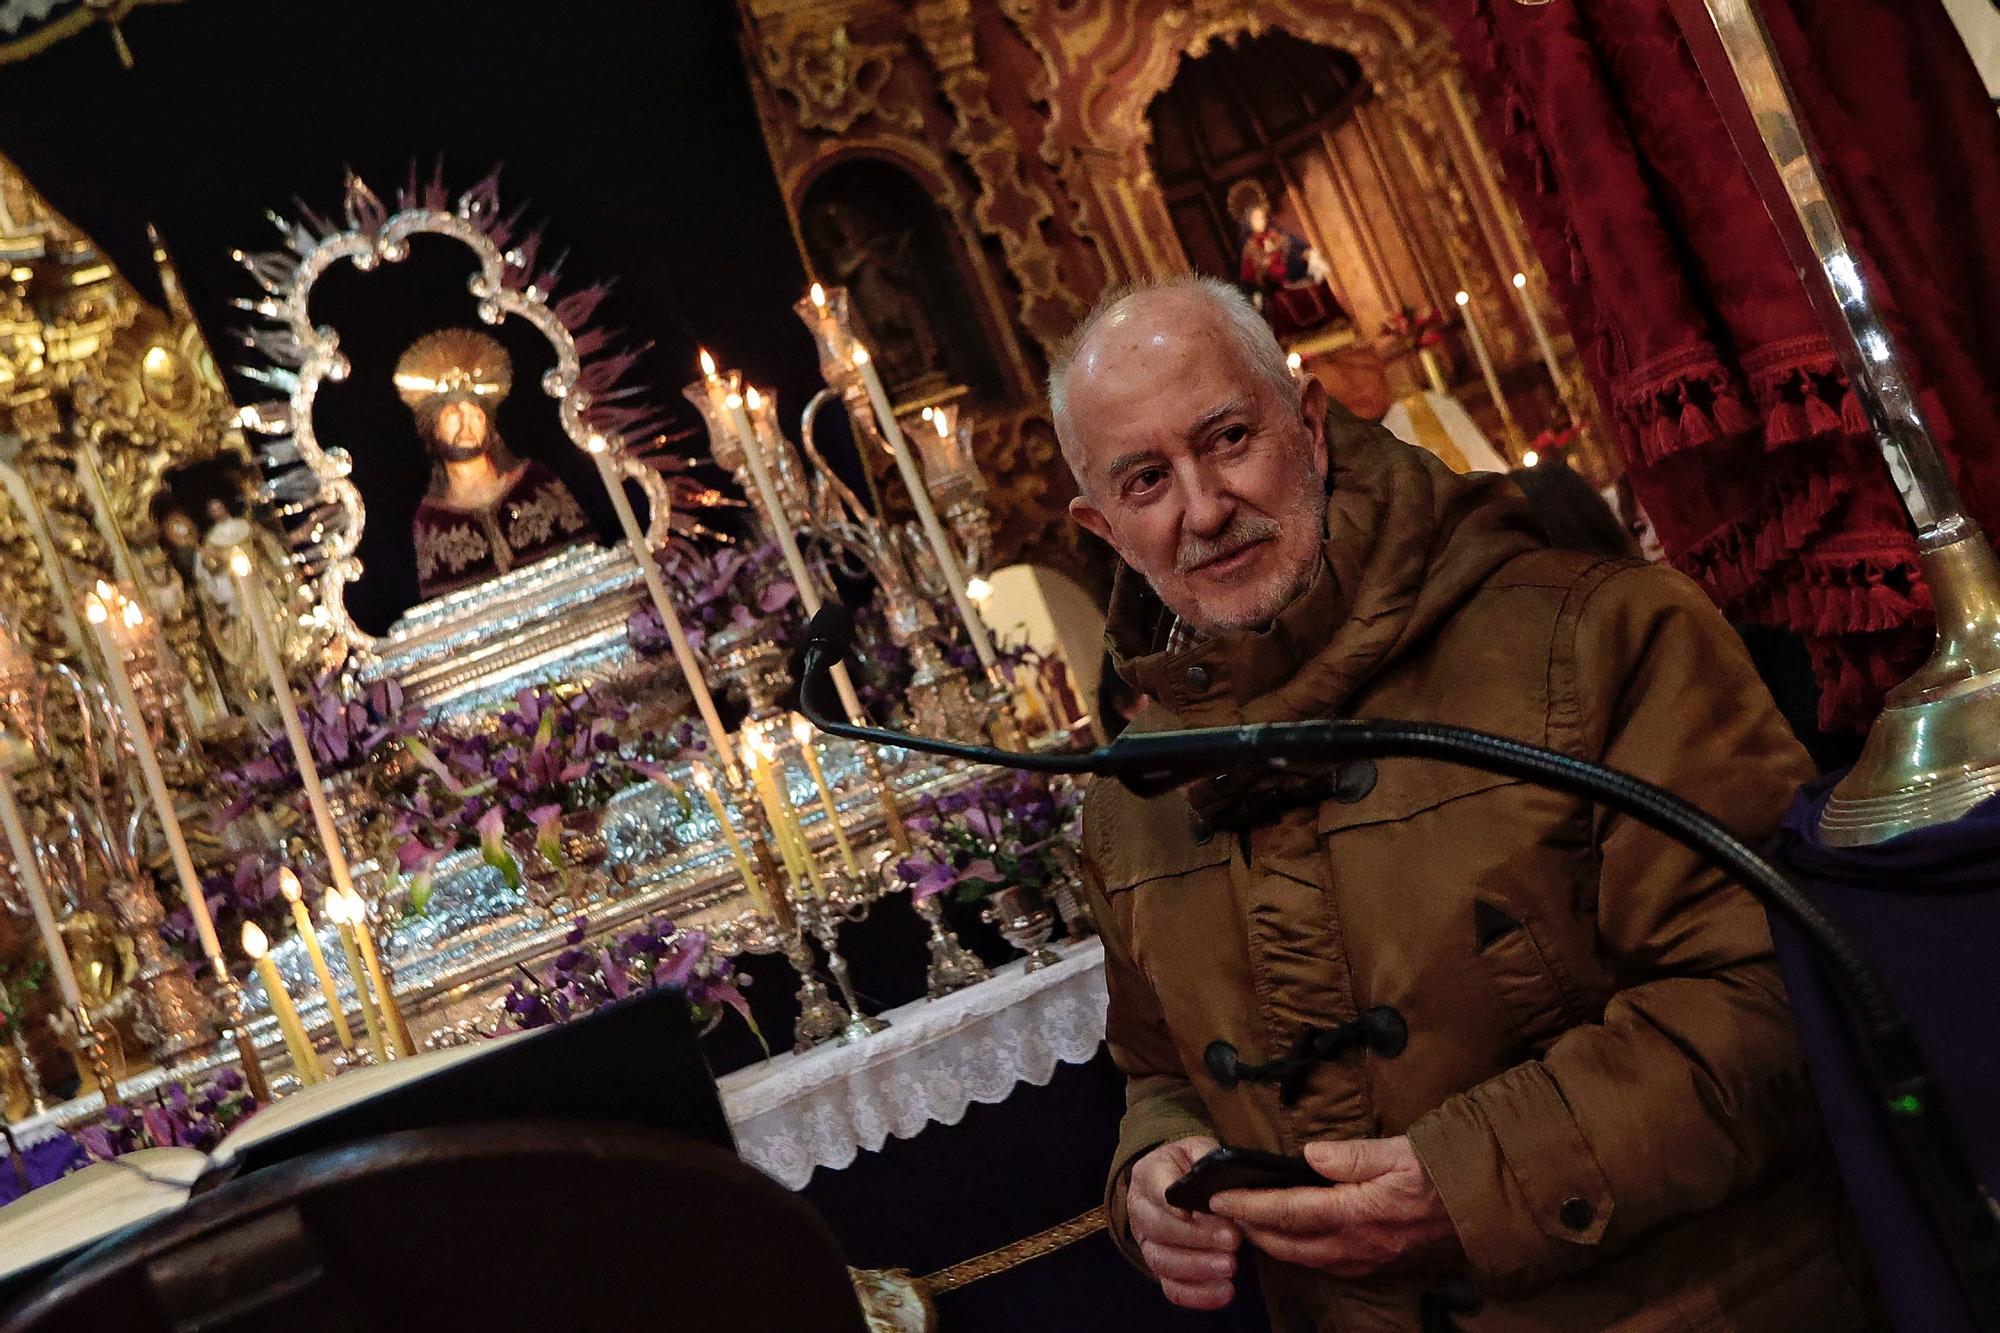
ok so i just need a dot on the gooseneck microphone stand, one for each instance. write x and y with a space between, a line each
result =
1887 1051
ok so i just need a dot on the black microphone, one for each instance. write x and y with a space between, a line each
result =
1889 1052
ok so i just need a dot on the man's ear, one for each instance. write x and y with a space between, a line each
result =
1312 406
1091 519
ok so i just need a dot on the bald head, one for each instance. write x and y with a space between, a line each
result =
1197 455
1142 330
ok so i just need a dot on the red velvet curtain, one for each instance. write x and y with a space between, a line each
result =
1739 431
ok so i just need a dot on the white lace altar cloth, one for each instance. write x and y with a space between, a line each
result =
797 1113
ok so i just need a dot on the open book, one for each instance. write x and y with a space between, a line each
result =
634 1062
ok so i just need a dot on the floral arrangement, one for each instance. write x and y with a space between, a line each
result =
1017 829
884 668
655 955
177 1119
343 732
551 762
248 893
1414 330
716 591
363 733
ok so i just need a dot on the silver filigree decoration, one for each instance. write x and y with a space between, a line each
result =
310 482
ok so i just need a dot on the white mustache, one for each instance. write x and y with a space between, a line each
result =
1246 530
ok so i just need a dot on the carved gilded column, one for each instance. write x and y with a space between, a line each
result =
1394 188
1428 154
1009 207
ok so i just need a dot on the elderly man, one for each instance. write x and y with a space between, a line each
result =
1597 1118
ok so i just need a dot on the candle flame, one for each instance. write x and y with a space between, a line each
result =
1520 280
733 402
105 590
819 296
928 413
94 612
944 431
255 942
134 617
1294 362
239 564
752 398
357 910
978 589
1463 298
1530 458
707 364
288 884
334 907
703 778
597 444
802 730
860 355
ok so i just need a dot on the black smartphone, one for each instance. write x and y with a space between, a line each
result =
1239 1169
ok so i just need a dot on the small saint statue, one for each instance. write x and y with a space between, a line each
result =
1285 277
487 511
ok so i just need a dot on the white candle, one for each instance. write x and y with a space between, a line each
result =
1535 327
1486 367
30 507
92 476
288 885
249 599
336 911
304 1058
802 732
98 614
29 869
954 576
758 897
385 995
642 550
774 509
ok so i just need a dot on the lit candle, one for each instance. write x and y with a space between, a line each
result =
649 569
385 995
762 758
954 576
1535 327
704 780
335 910
1464 300
250 601
97 611
288 884
304 1058
802 732
27 866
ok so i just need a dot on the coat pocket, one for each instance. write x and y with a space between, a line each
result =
1529 988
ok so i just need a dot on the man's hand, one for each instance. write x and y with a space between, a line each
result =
1382 1212
1193 1255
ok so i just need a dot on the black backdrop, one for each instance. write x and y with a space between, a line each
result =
626 125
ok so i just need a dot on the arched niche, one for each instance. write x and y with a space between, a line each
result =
870 225
1289 115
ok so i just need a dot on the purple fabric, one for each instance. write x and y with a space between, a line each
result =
1925 909
46 1161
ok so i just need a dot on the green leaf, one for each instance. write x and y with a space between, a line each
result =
503 861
